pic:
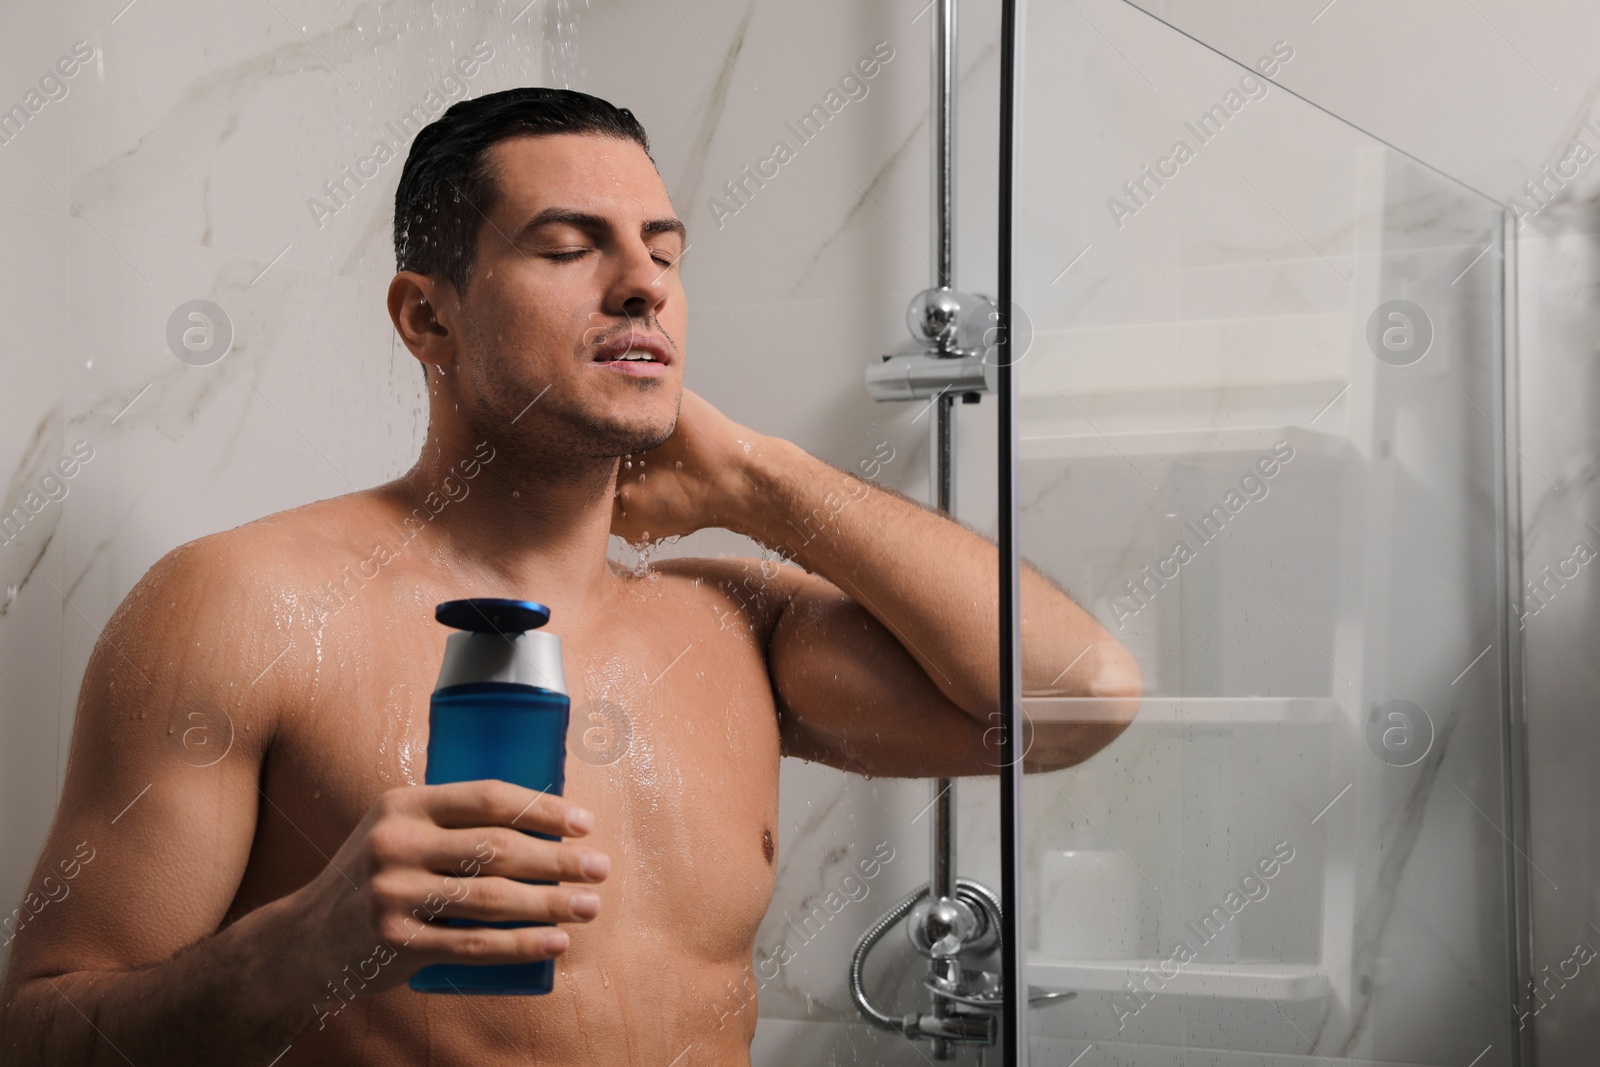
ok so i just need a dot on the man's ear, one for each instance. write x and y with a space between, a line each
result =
426 314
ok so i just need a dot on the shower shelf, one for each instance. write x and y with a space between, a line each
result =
1243 981
1118 445
1186 711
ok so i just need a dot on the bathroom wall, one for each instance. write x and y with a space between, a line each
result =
188 159
180 163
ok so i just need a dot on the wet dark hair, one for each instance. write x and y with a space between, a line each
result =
447 187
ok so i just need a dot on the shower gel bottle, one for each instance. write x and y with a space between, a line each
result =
499 710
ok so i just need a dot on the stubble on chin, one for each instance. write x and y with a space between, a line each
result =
553 435
536 424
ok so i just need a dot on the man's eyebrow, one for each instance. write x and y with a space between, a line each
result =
671 225
584 220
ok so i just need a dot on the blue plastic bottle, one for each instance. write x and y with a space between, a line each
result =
499 710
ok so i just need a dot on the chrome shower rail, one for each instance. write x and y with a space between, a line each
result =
948 918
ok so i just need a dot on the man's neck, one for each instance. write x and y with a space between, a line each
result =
541 528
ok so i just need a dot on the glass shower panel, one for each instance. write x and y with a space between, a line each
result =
1260 418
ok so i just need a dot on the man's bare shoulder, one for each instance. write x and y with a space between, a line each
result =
758 590
301 535
196 638
771 576
232 583
287 545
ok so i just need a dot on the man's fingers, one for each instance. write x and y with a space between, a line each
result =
483 944
491 802
419 897
497 850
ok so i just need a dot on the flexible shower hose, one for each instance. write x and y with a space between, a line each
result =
978 896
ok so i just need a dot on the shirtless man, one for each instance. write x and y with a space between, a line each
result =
248 845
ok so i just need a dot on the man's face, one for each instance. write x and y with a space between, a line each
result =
577 263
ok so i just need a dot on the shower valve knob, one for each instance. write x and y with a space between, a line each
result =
950 322
940 928
956 334
934 317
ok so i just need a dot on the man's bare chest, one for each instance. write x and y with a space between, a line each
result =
672 742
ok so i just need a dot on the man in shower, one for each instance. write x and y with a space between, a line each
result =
244 869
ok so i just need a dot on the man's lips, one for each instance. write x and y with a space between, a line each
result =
648 344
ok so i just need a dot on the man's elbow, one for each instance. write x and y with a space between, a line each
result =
1117 676
1106 705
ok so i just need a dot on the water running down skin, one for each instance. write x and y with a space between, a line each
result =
228 900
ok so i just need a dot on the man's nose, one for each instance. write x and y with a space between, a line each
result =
641 285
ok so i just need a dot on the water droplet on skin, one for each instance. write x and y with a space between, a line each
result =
644 548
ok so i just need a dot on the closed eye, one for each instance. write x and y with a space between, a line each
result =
563 257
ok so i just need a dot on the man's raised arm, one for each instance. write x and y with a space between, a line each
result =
886 657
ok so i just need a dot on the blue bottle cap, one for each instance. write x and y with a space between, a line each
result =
492 615
495 645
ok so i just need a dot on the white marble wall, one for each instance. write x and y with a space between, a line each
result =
179 163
